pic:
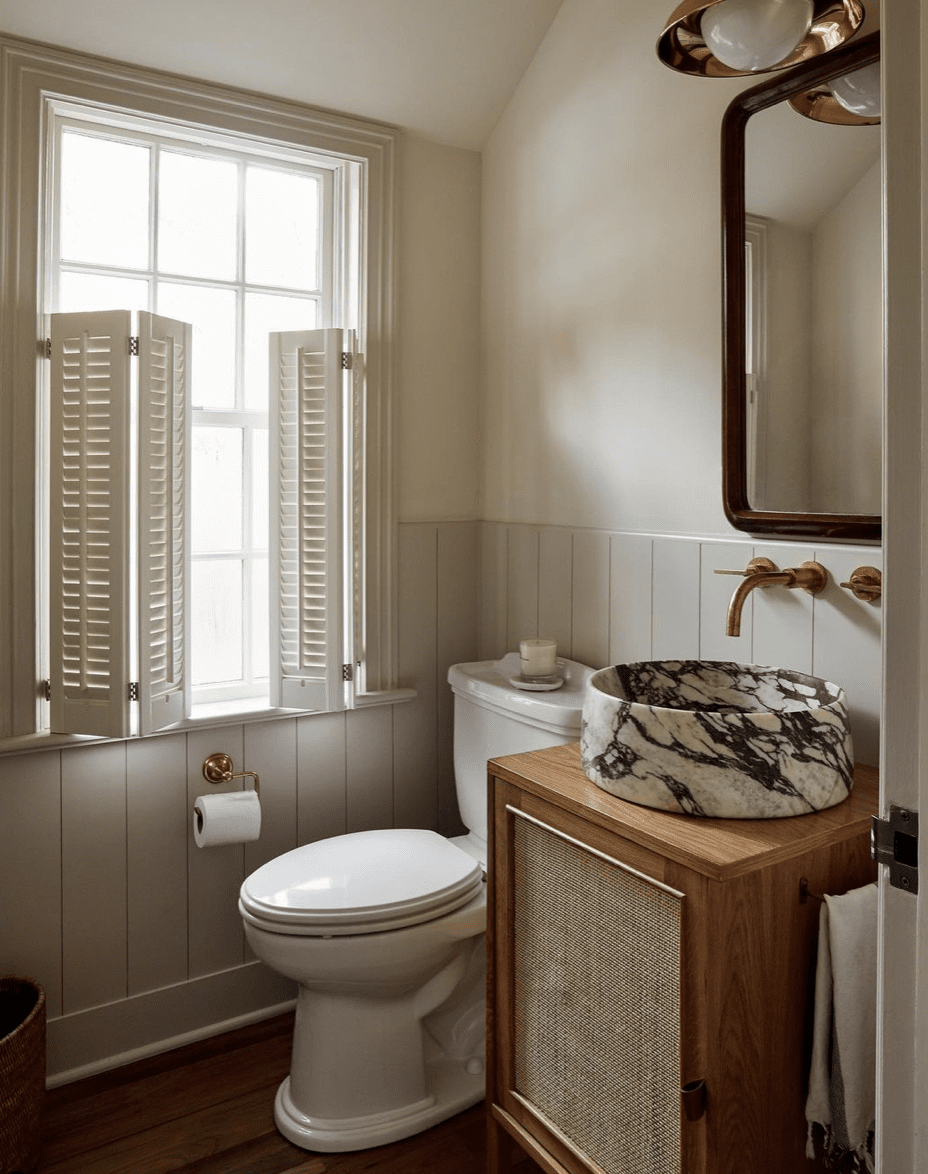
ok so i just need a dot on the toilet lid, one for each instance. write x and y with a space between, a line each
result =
361 883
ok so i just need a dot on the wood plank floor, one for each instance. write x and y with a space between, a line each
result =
208 1109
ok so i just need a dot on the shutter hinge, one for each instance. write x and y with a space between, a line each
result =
347 672
133 344
133 690
894 842
347 360
45 348
45 690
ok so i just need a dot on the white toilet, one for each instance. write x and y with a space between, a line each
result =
384 933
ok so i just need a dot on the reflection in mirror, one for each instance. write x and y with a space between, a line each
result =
803 311
814 300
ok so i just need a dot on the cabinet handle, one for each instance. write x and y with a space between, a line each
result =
693 1098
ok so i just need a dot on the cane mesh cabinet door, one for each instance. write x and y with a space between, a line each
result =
597 1015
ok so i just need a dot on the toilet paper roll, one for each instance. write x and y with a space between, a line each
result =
233 817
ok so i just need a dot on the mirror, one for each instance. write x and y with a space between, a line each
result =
802 311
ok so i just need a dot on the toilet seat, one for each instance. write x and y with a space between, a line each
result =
363 882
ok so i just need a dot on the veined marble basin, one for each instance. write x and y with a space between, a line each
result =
717 739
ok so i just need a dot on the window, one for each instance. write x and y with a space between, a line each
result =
267 229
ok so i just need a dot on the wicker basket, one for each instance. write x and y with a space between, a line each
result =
22 1072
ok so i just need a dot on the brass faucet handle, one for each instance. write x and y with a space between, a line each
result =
811 577
754 567
865 583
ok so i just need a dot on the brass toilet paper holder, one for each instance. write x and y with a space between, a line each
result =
218 768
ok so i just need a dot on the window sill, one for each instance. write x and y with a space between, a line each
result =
32 743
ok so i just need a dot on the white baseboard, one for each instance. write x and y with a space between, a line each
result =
114 1034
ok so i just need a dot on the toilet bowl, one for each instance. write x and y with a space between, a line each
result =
383 931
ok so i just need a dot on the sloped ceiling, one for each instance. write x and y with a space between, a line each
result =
444 69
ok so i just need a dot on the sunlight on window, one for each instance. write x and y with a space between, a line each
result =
216 621
259 619
197 215
264 313
281 229
98 291
212 313
216 489
259 499
104 201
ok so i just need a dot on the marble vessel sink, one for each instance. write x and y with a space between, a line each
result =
717 739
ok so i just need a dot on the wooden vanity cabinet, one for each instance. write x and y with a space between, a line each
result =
632 953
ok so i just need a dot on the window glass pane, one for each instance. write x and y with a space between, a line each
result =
212 314
91 291
104 201
281 228
216 489
259 492
264 313
216 621
259 619
197 211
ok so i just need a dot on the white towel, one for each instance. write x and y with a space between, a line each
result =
842 1078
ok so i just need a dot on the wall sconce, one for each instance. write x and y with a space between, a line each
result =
851 100
731 38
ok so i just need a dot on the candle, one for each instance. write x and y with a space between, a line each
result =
538 657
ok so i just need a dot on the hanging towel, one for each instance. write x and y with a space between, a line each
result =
842 1077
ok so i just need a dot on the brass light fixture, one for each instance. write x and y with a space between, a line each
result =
700 32
851 100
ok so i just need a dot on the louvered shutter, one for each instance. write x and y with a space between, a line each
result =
164 462
307 546
89 523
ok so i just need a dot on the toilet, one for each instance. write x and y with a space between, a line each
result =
383 931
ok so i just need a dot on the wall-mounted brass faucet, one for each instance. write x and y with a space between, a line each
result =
761 572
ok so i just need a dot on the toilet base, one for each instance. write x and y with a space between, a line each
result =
450 1088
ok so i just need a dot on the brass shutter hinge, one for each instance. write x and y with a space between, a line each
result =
45 348
347 672
347 360
894 842
133 690
45 690
133 344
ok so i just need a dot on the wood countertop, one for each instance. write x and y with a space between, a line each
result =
718 848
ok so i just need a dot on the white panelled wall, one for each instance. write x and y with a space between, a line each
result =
611 597
135 932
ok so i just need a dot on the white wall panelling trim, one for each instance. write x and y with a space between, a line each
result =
105 1037
629 596
134 931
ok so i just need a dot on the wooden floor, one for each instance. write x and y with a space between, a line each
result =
208 1109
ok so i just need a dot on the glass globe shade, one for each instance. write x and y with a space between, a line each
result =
859 91
751 35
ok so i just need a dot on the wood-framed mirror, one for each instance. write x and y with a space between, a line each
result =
802 309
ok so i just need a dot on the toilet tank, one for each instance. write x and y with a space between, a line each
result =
493 717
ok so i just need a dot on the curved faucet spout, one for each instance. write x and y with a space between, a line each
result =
744 589
761 572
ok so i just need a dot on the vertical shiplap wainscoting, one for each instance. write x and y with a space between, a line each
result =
613 597
133 931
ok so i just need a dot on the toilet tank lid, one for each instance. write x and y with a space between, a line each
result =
363 878
488 682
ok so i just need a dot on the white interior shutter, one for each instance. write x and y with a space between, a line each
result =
307 544
164 462
89 523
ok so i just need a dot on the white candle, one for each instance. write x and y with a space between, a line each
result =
538 657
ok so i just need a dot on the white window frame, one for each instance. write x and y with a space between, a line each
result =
33 76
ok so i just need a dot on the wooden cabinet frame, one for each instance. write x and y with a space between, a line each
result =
748 948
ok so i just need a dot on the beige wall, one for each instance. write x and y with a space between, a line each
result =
438 318
601 284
